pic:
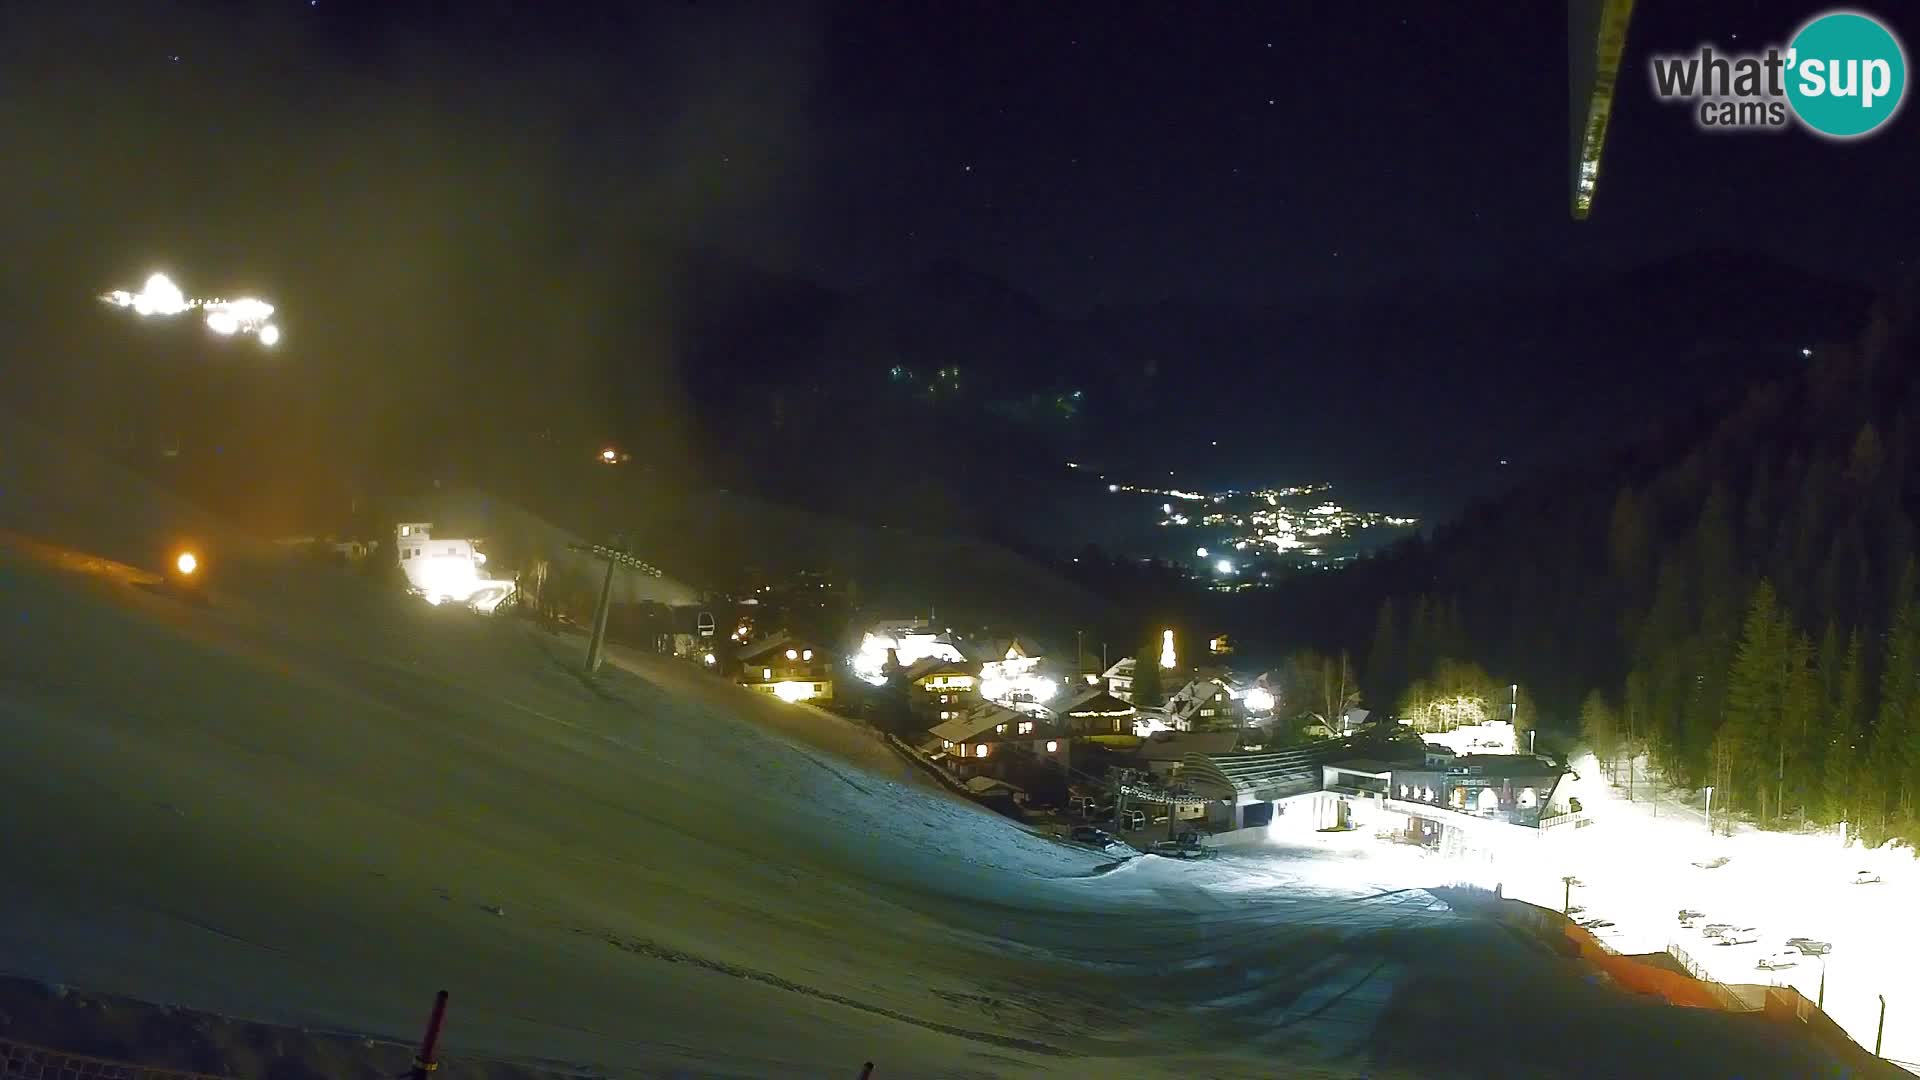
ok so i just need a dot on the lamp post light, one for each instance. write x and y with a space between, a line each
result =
1566 899
615 558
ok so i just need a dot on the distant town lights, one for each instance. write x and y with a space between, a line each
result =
160 296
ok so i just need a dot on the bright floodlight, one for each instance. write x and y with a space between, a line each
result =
1201 552
1224 566
608 455
160 296
186 563
1260 699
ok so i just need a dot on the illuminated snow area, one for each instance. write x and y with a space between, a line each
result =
313 801
1638 871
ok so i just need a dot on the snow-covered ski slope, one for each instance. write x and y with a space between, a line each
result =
312 802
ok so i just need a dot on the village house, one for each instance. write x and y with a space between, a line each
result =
1119 679
1094 711
1441 795
942 689
1012 673
981 739
1202 705
788 667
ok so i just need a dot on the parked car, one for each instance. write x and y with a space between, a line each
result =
1188 845
1714 863
1778 961
1809 947
1866 877
1087 834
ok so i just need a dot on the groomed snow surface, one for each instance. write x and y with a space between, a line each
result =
311 802
1643 861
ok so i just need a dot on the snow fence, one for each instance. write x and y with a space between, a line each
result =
23 1061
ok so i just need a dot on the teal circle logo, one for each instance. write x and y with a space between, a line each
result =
1846 74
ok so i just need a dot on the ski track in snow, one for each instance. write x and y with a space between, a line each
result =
315 803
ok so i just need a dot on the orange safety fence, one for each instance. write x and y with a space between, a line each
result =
1642 978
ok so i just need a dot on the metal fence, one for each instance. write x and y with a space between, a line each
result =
23 1061
1729 999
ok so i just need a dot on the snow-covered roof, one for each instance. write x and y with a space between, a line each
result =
931 665
974 722
1188 701
1121 669
1506 765
1093 699
987 785
1265 775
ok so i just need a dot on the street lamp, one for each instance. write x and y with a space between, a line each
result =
1709 809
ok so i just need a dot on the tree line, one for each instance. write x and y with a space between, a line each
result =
1734 597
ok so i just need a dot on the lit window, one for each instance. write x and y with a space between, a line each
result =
980 751
793 654
1026 727
944 715
806 654
1052 746
999 729
943 699
766 673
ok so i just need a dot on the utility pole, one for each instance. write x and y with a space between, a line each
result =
615 557
1566 898
1882 1029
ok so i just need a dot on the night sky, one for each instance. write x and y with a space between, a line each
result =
368 162
1086 153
